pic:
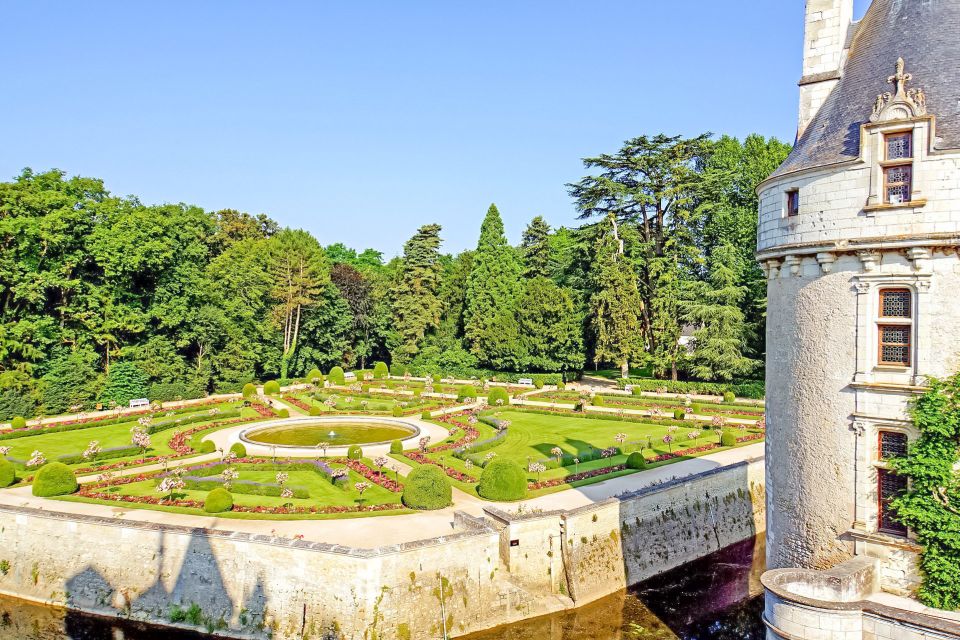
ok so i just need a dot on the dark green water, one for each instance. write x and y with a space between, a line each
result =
716 598
336 433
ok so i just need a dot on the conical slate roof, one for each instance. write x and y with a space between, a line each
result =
926 34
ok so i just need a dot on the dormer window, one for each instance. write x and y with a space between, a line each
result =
793 203
898 167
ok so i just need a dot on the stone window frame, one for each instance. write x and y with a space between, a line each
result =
874 153
791 204
869 319
869 466
895 321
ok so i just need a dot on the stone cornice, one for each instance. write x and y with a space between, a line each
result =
949 240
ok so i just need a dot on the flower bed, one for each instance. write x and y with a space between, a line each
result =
377 477
421 458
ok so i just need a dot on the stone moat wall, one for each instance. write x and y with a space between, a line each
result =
487 572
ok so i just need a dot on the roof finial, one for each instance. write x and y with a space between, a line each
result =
903 103
900 79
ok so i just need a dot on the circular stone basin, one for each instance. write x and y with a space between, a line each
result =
338 432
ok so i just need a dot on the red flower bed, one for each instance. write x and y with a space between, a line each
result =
372 475
420 458
299 404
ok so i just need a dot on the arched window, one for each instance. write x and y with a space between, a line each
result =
895 327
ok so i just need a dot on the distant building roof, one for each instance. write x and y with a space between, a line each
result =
922 32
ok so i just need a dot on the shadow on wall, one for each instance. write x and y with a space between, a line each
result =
198 596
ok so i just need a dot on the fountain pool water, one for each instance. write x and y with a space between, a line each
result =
336 432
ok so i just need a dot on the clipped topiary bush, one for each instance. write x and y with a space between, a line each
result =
238 450
19 422
315 376
283 413
218 501
425 415
436 378
207 446
54 479
467 392
497 396
380 371
538 382
396 447
729 397
427 487
503 480
637 391
697 409
271 387
398 371
561 386
314 410
397 411
728 439
354 452
336 376
636 461
597 401
679 414
249 390
8 474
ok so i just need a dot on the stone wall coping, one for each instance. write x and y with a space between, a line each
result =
479 529
508 518
948 239
775 579
656 488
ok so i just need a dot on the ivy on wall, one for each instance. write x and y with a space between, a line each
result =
931 506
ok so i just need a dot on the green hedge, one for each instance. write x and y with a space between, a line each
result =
19 422
336 376
246 487
218 501
728 439
207 446
238 450
271 387
200 416
249 390
752 389
427 487
636 461
105 454
168 391
314 377
283 413
8 474
380 371
502 480
498 395
354 452
54 479
396 447
467 392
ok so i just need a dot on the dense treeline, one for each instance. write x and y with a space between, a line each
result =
102 296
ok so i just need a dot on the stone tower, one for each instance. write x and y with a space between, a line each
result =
859 230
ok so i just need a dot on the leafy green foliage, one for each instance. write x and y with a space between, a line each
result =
636 461
497 397
249 390
238 449
271 387
314 376
18 422
124 383
467 392
207 446
336 376
218 501
679 414
54 479
13 403
396 447
416 305
380 370
354 452
931 506
8 473
427 487
728 439
502 480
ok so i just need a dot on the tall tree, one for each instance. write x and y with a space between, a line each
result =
714 307
551 330
494 284
299 274
415 295
535 248
615 305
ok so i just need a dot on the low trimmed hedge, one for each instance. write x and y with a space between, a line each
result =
314 411
19 422
105 454
502 480
679 414
498 396
246 487
427 488
396 447
201 416
380 370
636 461
728 439
238 450
8 473
283 413
218 501
751 389
467 392
207 446
54 479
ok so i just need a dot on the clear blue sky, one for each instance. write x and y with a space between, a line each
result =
360 121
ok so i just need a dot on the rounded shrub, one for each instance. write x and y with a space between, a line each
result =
283 413
502 479
271 387
380 371
436 378
336 376
238 450
249 390
597 401
315 376
697 409
538 382
425 415
397 411
427 487
637 391
218 501
467 392
396 447
498 396
314 410
354 452
54 479
636 461
561 386
729 397
18 422
8 474
207 446
679 414
728 439
398 371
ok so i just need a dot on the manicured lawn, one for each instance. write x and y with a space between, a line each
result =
746 411
347 402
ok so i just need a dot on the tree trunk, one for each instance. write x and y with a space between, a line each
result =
625 369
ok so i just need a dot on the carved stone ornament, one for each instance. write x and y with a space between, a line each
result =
903 103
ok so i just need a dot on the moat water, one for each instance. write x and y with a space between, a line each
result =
716 598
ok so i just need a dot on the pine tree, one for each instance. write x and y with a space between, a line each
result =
615 305
415 296
715 308
494 284
551 330
535 248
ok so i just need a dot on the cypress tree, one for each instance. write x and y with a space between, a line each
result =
535 248
492 289
415 296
